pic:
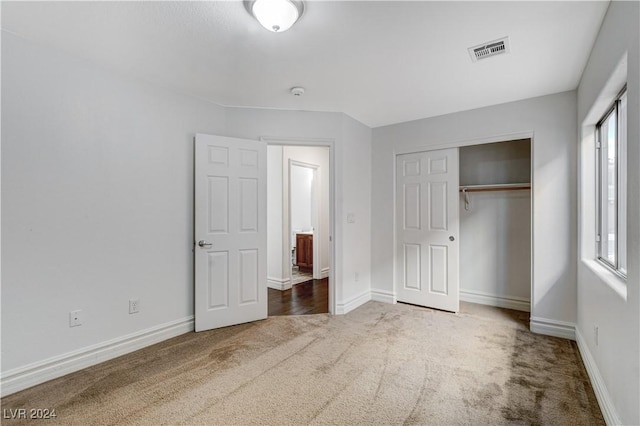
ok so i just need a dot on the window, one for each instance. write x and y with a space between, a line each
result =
611 144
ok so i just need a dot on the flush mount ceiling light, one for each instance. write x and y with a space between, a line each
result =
275 15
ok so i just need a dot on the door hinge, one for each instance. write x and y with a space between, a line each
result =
598 238
598 144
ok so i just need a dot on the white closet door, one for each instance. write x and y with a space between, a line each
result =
427 229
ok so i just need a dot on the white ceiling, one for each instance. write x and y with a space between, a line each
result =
379 62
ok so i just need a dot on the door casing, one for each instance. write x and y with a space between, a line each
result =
335 264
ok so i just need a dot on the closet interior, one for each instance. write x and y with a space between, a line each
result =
495 224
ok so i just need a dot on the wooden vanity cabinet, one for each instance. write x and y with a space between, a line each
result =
304 252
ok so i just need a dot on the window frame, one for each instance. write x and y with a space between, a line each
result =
601 169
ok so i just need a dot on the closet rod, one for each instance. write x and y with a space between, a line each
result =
499 187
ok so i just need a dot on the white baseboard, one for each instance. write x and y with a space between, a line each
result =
548 327
353 303
278 283
517 303
599 388
39 372
324 273
383 296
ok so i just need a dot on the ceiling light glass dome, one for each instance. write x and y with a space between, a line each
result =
276 15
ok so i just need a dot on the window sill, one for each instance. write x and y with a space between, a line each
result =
615 282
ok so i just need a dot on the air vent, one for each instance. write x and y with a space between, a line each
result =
487 50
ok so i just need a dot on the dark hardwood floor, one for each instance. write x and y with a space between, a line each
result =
311 297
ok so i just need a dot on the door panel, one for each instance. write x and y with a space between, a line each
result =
412 266
219 205
438 282
218 279
427 256
438 205
248 276
248 205
230 221
412 206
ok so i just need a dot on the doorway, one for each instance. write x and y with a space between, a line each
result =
299 222
304 191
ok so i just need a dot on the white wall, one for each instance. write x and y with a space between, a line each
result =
97 205
495 249
301 186
551 120
275 262
503 162
604 300
97 202
356 201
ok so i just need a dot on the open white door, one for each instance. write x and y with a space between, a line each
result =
230 231
427 229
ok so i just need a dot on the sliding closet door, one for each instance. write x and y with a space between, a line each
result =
427 253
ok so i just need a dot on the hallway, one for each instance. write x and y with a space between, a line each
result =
311 297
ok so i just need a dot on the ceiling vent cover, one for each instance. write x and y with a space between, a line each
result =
487 50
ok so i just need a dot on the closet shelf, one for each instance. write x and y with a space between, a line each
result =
497 187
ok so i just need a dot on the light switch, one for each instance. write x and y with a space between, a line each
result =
351 218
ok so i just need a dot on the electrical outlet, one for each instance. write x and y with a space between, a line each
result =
134 306
595 334
75 318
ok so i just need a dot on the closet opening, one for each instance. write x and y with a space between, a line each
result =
495 224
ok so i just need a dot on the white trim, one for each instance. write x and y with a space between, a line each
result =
39 372
614 281
549 327
466 142
509 302
600 389
383 296
286 140
279 283
324 273
353 303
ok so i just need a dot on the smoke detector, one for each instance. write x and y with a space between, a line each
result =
489 49
297 91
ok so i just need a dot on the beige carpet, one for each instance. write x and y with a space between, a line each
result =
381 364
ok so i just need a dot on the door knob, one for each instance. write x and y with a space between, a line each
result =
204 244
451 238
